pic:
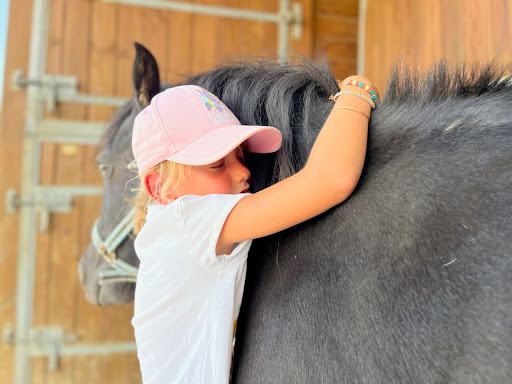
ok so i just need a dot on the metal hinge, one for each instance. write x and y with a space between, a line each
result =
48 200
41 342
54 343
58 88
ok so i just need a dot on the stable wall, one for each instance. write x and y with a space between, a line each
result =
419 33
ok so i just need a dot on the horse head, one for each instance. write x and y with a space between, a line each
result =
108 266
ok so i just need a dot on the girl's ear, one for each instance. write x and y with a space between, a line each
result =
153 182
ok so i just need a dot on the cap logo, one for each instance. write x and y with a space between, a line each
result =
216 110
211 102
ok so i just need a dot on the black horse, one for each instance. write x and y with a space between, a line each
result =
410 279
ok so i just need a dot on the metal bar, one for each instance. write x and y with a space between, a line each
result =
30 177
283 33
361 36
87 349
283 18
75 190
82 98
70 131
211 10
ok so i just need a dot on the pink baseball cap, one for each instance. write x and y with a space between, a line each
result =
189 125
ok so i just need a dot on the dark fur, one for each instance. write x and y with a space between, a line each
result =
362 294
409 280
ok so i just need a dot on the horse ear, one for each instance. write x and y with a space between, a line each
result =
146 79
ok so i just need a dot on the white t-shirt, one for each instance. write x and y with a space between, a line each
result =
187 297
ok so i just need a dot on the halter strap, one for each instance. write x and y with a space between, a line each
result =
122 271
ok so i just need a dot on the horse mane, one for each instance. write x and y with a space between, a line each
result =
294 98
291 97
442 82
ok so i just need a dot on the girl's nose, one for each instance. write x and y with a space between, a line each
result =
242 173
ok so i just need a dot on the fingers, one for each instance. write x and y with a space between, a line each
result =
342 84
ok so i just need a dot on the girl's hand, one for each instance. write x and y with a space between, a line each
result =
361 79
330 175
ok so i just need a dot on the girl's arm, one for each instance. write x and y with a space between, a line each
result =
328 178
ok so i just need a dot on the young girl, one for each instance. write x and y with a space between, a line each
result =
201 218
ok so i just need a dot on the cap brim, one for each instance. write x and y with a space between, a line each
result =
218 143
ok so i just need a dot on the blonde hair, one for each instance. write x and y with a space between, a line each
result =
175 174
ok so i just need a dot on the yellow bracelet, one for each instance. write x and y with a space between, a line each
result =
355 110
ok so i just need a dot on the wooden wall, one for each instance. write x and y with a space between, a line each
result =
419 33
93 41
335 35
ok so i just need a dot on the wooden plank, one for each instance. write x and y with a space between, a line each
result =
304 45
428 16
335 47
507 37
345 7
390 35
452 30
62 306
228 36
54 58
87 319
271 33
402 16
132 363
179 47
154 34
342 68
102 57
129 31
253 33
455 30
204 41
75 59
336 25
117 327
501 22
477 34
56 29
373 46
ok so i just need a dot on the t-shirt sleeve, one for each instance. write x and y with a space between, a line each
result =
203 218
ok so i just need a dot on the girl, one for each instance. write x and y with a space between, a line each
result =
201 218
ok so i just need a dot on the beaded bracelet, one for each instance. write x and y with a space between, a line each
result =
352 93
366 87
